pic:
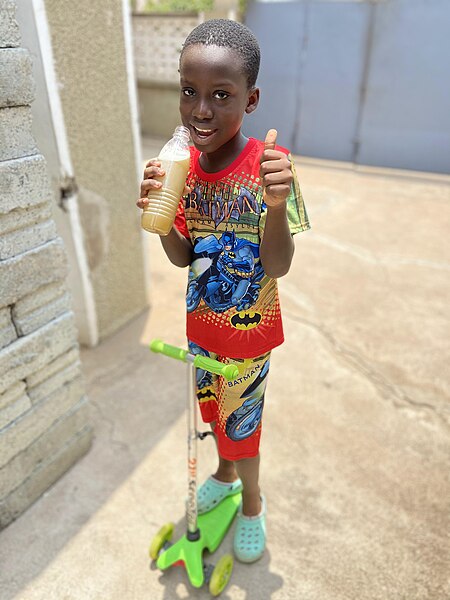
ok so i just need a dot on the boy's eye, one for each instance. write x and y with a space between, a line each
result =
220 95
187 92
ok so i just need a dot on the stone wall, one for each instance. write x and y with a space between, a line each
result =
44 421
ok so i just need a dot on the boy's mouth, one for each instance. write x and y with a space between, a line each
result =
203 133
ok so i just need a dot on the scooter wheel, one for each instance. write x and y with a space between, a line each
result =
221 575
163 536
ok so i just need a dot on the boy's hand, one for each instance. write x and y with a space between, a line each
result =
151 181
275 172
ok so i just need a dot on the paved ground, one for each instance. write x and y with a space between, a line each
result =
357 427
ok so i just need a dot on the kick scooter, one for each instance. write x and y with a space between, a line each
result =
204 531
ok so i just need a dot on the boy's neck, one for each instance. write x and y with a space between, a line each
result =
223 157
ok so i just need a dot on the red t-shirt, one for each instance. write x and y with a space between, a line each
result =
232 305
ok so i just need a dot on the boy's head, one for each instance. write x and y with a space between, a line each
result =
219 64
233 35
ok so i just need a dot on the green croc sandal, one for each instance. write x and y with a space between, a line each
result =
212 492
250 535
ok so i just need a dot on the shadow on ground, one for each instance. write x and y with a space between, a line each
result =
125 384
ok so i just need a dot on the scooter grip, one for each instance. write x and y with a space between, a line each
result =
202 362
168 350
214 366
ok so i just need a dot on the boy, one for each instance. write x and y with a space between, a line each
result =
234 230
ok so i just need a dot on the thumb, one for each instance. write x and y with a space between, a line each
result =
271 139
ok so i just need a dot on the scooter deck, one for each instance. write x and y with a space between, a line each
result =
213 526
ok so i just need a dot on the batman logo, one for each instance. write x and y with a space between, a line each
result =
206 394
245 320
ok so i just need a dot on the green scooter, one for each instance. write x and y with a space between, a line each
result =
204 531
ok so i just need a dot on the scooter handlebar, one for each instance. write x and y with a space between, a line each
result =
202 362
168 350
214 366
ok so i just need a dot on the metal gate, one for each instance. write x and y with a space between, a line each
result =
358 80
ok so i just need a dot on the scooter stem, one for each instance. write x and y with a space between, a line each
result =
229 371
193 532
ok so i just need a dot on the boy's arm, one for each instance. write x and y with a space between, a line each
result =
177 248
277 245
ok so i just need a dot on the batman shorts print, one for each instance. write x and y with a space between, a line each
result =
235 406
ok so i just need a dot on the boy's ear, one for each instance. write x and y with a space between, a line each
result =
253 100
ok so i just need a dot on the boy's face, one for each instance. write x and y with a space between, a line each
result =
214 95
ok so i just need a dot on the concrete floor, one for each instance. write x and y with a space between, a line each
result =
356 442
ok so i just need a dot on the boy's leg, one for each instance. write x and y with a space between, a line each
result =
226 471
225 480
240 408
248 471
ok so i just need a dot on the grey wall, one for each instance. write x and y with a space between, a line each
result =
363 81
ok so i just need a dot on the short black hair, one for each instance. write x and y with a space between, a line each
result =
229 34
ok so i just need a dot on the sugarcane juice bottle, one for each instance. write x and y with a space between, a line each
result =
158 216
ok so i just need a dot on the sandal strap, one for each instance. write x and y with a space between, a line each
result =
212 492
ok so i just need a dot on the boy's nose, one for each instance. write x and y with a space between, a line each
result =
202 110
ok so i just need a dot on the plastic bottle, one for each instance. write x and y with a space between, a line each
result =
159 215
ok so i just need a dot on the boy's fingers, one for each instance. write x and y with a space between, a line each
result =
149 184
271 139
153 171
272 165
142 202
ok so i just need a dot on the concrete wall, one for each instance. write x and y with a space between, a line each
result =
90 61
44 422
159 109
